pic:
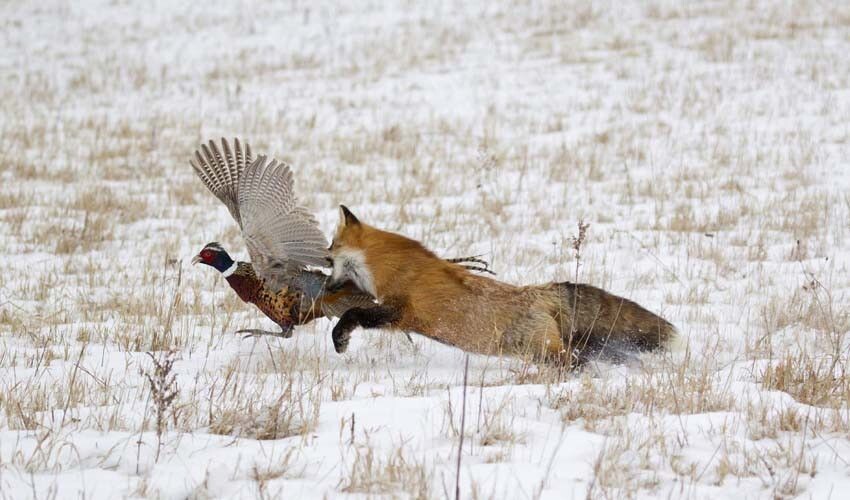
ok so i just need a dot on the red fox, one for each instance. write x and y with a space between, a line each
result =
416 291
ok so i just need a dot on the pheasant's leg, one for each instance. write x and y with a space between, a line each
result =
285 332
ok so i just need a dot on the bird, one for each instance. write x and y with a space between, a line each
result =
287 248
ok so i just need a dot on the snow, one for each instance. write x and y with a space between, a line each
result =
705 143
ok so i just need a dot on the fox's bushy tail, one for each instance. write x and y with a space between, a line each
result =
601 324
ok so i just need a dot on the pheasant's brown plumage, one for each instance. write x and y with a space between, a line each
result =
282 238
290 306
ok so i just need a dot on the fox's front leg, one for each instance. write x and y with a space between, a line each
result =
370 317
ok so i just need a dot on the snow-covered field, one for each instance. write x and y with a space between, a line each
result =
707 145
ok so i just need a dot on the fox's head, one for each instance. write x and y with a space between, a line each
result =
378 262
349 254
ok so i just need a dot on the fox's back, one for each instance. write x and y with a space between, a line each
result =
446 302
454 306
440 299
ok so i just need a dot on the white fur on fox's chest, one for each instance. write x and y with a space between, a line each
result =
351 264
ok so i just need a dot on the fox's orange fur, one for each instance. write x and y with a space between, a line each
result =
424 294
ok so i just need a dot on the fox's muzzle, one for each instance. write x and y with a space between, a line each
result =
334 285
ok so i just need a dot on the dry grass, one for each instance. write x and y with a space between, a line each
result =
812 381
373 474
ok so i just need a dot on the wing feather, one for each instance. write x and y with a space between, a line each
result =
282 237
221 173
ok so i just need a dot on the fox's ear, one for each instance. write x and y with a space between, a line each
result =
346 218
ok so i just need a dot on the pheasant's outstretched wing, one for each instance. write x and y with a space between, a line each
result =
221 171
282 237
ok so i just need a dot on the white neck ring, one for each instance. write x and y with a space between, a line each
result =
230 270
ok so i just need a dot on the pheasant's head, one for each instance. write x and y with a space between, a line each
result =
214 255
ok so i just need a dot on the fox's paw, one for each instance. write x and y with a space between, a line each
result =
341 335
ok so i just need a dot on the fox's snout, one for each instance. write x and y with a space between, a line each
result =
334 285
349 266
348 255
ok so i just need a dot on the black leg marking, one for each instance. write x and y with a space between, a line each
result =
371 317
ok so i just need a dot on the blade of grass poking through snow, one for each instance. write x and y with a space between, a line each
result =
462 427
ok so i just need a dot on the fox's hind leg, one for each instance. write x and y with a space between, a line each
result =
536 334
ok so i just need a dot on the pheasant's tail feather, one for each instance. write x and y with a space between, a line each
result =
473 263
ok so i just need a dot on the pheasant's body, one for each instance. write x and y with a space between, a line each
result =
281 307
300 302
283 240
282 237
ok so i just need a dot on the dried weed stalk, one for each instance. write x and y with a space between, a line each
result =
164 391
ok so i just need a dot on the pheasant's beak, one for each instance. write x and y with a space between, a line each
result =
196 259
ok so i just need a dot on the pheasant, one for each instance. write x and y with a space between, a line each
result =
282 238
